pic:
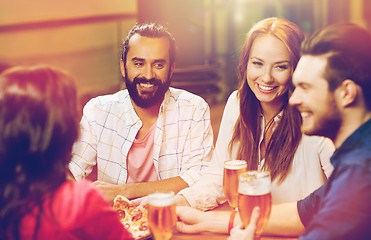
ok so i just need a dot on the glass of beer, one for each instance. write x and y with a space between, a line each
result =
232 169
255 190
161 215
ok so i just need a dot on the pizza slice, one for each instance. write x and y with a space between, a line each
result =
133 218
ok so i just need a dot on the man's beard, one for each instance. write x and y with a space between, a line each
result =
328 127
328 123
148 100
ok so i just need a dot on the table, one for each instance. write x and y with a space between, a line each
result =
219 236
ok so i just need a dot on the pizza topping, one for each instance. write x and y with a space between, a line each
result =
137 216
143 226
120 213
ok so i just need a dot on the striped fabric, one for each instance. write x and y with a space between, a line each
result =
183 137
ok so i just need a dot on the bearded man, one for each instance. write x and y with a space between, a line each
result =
149 137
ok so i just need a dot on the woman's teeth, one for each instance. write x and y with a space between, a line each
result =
266 88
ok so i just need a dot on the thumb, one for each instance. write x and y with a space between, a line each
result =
254 217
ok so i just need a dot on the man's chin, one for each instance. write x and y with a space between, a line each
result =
307 130
314 132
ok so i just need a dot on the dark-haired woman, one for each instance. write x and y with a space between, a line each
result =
39 122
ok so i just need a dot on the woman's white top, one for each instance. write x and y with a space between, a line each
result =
310 167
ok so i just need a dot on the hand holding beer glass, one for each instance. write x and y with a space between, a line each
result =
255 190
232 169
161 215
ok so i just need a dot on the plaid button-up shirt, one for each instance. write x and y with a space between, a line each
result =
183 141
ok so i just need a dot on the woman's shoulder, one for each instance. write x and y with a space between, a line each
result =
81 195
319 146
316 140
233 97
232 107
233 101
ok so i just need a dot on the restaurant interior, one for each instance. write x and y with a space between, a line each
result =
85 37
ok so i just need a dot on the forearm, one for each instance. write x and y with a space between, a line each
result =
284 220
137 190
217 221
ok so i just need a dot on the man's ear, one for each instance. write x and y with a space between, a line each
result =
349 92
122 68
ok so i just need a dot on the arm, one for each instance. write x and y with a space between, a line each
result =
191 220
197 147
137 190
207 192
344 206
84 151
284 220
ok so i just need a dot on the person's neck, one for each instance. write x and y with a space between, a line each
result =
148 116
270 110
351 122
147 113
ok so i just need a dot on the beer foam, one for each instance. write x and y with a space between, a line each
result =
161 199
254 185
235 164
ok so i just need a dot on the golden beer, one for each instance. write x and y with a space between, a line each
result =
255 190
232 169
161 215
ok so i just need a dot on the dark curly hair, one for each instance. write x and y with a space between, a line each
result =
39 122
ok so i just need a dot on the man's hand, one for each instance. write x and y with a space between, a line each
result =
238 233
191 220
108 190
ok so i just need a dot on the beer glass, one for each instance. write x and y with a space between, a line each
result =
161 215
232 169
255 190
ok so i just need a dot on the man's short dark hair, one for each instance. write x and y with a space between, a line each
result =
151 30
348 50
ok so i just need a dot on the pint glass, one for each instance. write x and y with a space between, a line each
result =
161 215
232 169
255 190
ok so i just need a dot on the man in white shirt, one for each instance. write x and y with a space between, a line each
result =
149 137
